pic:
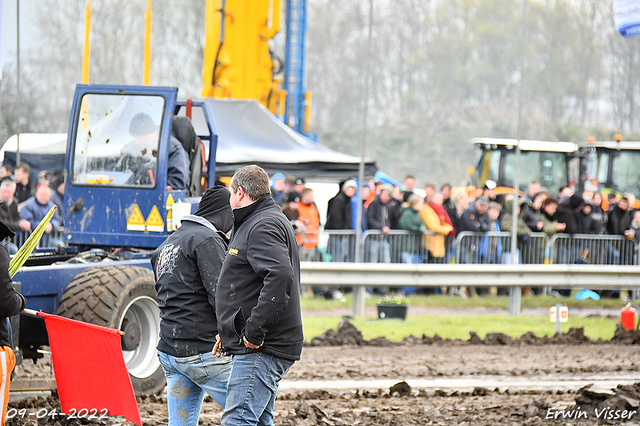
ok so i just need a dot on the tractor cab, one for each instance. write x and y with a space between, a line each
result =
119 169
547 162
610 167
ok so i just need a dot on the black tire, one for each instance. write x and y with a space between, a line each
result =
124 298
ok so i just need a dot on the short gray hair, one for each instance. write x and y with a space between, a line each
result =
253 179
8 182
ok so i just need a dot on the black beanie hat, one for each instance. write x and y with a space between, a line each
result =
214 206
576 201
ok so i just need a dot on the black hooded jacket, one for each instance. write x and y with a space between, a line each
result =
186 267
258 293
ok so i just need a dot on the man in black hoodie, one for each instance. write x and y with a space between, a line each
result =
11 303
186 268
258 300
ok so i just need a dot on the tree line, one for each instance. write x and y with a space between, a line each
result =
442 72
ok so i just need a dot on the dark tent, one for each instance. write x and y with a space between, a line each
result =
41 151
249 134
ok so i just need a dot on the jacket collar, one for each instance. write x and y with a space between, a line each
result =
204 222
241 214
201 220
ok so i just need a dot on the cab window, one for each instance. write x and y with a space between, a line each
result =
117 140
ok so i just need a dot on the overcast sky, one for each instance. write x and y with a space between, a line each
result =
9 28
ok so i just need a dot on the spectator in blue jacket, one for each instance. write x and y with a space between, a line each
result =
35 209
278 185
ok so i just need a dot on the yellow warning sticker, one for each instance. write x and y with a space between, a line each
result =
169 206
154 221
136 220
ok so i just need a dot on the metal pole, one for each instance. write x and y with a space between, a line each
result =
18 91
558 325
147 45
515 292
87 46
359 292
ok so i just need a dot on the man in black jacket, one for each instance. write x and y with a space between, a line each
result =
11 303
186 268
619 218
567 212
473 219
339 218
9 213
382 215
258 300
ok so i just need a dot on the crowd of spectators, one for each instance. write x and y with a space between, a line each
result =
23 204
446 213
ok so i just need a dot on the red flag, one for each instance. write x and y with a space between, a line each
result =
89 368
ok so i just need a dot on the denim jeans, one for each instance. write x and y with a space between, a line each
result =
188 378
338 247
380 252
253 386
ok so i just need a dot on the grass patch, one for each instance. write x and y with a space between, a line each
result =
310 302
459 326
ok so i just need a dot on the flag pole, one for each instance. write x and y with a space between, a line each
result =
37 314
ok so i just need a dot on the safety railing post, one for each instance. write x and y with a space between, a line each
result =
359 291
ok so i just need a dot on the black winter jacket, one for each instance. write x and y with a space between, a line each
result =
618 221
600 219
472 221
453 214
567 214
339 212
258 293
11 302
531 217
380 215
186 267
9 214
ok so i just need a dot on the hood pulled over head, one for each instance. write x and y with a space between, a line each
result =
214 206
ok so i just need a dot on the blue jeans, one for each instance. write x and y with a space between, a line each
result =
188 378
253 386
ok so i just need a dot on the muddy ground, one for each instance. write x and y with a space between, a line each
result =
491 363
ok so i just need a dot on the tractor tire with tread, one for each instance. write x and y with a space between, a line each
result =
124 298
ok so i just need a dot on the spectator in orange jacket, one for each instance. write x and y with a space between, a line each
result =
310 217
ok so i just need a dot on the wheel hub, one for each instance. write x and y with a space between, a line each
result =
132 336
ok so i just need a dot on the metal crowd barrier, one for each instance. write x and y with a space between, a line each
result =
494 248
339 245
592 249
47 240
405 247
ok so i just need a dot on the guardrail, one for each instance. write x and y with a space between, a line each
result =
361 275
405 259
